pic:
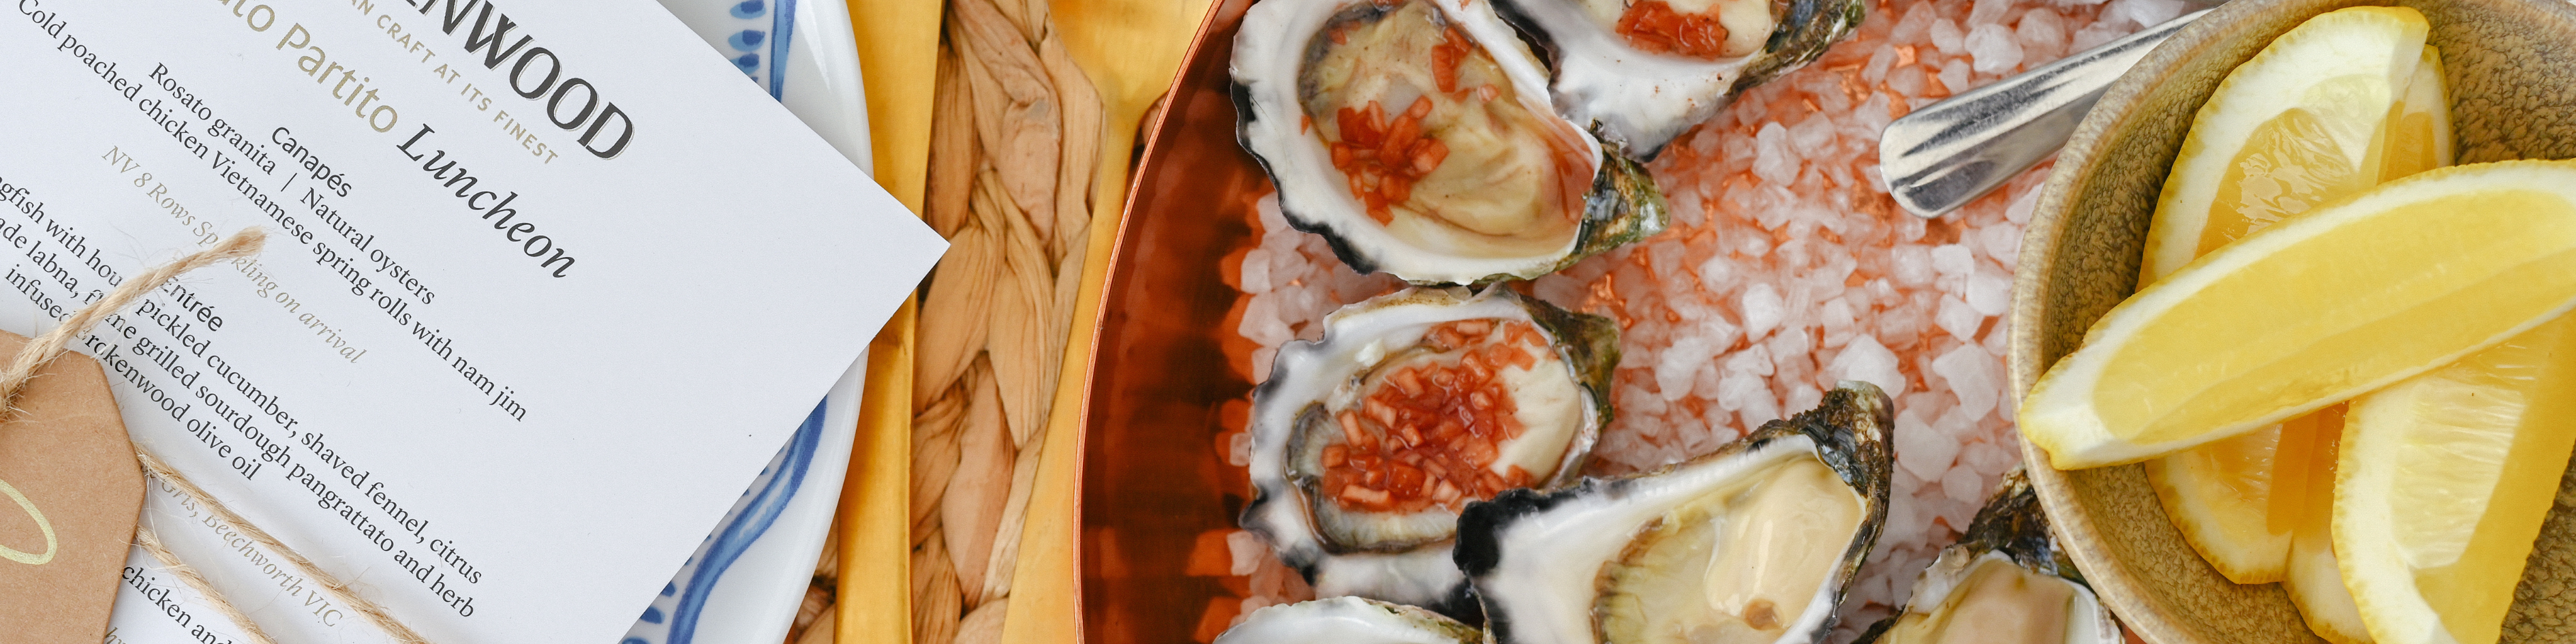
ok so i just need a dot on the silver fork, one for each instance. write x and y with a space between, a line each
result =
1941 157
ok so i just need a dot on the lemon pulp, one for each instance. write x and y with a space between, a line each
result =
2221 497
2448 478
2419 128
2291 164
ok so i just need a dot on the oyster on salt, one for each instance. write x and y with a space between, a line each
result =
1755 543
1367 442
1417 136
2005 582
1348 620
1640 72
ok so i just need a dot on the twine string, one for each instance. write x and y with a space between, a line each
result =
188 574
52 343
373 612
44 348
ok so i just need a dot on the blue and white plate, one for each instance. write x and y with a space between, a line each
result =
747 579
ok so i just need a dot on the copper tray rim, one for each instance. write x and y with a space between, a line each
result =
1149 154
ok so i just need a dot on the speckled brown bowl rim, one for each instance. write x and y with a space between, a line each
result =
2076 533
2118 111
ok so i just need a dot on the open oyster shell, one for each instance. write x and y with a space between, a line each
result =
1418 137
2005 582
1640 72
1367 442
1348 620
1753 543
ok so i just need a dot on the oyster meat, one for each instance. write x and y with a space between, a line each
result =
1348 620
2005 582
1640 72
1417 136
1368 441
1753 543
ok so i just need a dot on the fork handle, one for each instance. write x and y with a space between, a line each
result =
1946 154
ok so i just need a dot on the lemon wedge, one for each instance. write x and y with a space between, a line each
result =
2314 310
2446 478
2314 580
2220 496
2300 123
2239 500
2419 128
2315 584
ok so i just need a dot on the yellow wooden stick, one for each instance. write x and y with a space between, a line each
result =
1131 49
899 56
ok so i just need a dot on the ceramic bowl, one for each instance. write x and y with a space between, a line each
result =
2512 75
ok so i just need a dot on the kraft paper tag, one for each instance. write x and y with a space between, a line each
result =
69 495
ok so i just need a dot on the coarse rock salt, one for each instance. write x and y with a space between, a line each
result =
1256 271
1681 362
1989 12
1969 371
1919 450
1958 318
1815 133
1246 551
1954 74
1753 360
1990 291
1762 309
1915 26
1963 485
1238 450
1991 456
1995 49
2002 242
1777 162
1998 337
2146 13
1867 361
1953 259
1262 323
1261 359
2042 36
1946 35
1840 323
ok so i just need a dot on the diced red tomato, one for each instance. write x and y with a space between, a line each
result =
1429 435
1385 158
1653 26
1453 49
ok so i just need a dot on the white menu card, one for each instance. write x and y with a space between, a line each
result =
545 286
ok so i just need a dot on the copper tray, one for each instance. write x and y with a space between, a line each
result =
1152 478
